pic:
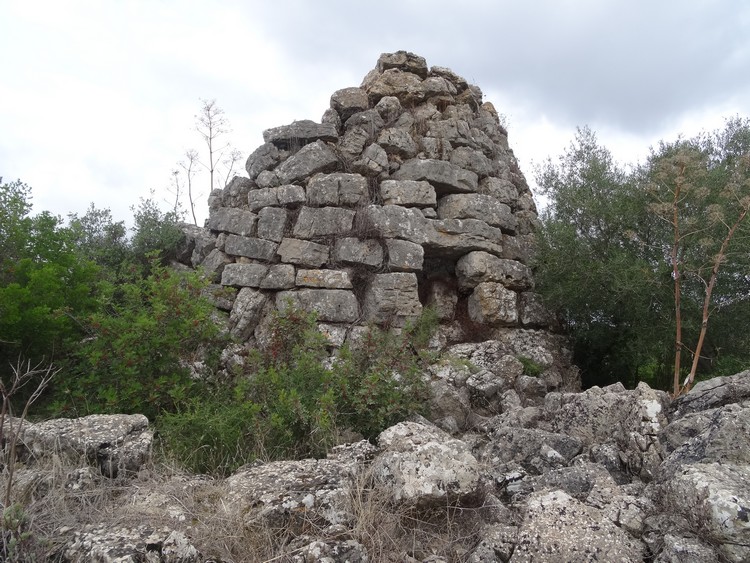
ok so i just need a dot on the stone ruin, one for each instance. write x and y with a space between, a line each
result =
405 195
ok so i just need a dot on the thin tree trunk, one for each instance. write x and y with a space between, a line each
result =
677 286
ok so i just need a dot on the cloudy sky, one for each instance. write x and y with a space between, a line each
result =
98 97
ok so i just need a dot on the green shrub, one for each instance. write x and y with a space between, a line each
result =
142 342
530 367
291 403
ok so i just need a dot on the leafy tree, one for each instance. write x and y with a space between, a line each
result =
631 258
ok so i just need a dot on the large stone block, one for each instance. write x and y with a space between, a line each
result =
349 101
246 312
477 267
351 250
256 248
477 206
263 158
303 253
493 305
315 222
325 279
398 141
404 256
337 189
300 133
408 193
330 305
272 223
237 221
444 176
393 221
442 296
405 86
243 275
279 276
451 238
310 159
279 196
392 298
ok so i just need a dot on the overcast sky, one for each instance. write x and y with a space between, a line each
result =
98 98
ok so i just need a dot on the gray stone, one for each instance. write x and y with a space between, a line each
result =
404 256
445 177
398 141
351 250
337 189
235 193
116 443
392 298
263 158
477 267
349 101
393 221
330 305
303 253
452 238
532 311
213 265
455 131
369 120
679 549
310 159
237 221
332 117
389 108
713 393
422 465
404 61
477 206
246 312
442 296
105 544
353 142
374 161
279 276
494 305
439 86
314 222
470 159
300 133
267 179
408 193
279 196
557 527
220 296
327 279
405 86
272 223
459 82
244 275
256 248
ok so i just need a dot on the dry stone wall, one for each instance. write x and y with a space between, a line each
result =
405 195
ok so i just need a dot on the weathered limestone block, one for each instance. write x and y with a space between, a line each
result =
310 159
557 527
403 60
442 296
331 305
444 176
331 550
374 161
353 142
392 298
404 256
477 206
389 108
213 265
331 117
303 253
116 443
335 334
272 223
405 86
458 81
337 189
470 159
369 120
315 222
491 304
267 179
532 311
246 312
424 466
274 493
237 221
393 221
408 193
105 544
235 192
279 196
351 250
349 101
244 275
455 131
256 248
451 238
220 296
398 141
279 276
712 393
439 86
263 158
300 133
715 499
477 267
327 279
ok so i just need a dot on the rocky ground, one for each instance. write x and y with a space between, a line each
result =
603 475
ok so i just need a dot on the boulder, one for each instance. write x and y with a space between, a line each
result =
478 267
337 189
477 206
230 220
104 544
263 158
330 305
354 251
408 193
493 305
392 298
445 177
315 222
299 134
279 196
309 160
303 253
349 101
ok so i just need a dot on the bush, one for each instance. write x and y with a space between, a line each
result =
291 402
143 344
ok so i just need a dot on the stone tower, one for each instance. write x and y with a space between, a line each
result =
405 195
